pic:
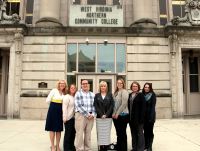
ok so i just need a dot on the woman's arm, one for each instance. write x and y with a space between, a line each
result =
50 96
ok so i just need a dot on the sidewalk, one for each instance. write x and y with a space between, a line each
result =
170 135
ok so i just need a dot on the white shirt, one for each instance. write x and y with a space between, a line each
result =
54 95
68 107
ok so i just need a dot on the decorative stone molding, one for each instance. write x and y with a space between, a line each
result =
192 17
18 37
144 22
6 19
173 44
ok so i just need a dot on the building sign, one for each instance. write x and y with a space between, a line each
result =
96 16
14 1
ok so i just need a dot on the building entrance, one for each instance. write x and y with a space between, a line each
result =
4 70
191 81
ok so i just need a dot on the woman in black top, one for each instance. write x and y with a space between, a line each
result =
150 115
104 104
136 106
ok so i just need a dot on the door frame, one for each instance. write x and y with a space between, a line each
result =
186 93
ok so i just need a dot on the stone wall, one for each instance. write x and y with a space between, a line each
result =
43 61
148 61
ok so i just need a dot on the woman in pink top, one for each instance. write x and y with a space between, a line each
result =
68 119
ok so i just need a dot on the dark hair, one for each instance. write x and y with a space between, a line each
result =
84 80
150 87
134 82
70 87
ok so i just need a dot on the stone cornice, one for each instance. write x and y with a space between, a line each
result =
182 30
11 29
101 31
96 31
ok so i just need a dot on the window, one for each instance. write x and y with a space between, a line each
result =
96 2
71 55
194 77
183 73
71 79
96 57
178 7
29 11
12 7
106 58
120 58
76 1
116 2
163 12
86 57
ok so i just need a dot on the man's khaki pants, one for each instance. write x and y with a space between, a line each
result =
83 128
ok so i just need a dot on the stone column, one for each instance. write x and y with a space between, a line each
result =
173 39
143 13
83 2
14 83
49 13
109 2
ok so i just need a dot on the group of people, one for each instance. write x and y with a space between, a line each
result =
78 109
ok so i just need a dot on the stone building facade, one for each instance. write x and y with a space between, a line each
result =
33 57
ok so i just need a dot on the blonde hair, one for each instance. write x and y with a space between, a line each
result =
124 86
64 91
103 83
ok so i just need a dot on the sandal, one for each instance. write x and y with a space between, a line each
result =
52 148
58 148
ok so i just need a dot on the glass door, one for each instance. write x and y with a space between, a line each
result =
94 81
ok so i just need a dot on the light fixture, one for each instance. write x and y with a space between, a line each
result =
105 42
87 41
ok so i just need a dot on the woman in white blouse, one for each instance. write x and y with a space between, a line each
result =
54 122
68 119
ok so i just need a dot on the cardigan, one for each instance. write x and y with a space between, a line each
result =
68 107
121 100
136 108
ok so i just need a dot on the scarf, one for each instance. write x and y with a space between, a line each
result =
148 96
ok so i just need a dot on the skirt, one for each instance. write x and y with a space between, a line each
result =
103 130
54 120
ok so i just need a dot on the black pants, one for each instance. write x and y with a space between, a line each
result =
120 127
69 136
148 134
137 137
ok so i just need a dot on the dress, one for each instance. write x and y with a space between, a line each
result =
54 120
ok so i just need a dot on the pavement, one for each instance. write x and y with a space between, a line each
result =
170 135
